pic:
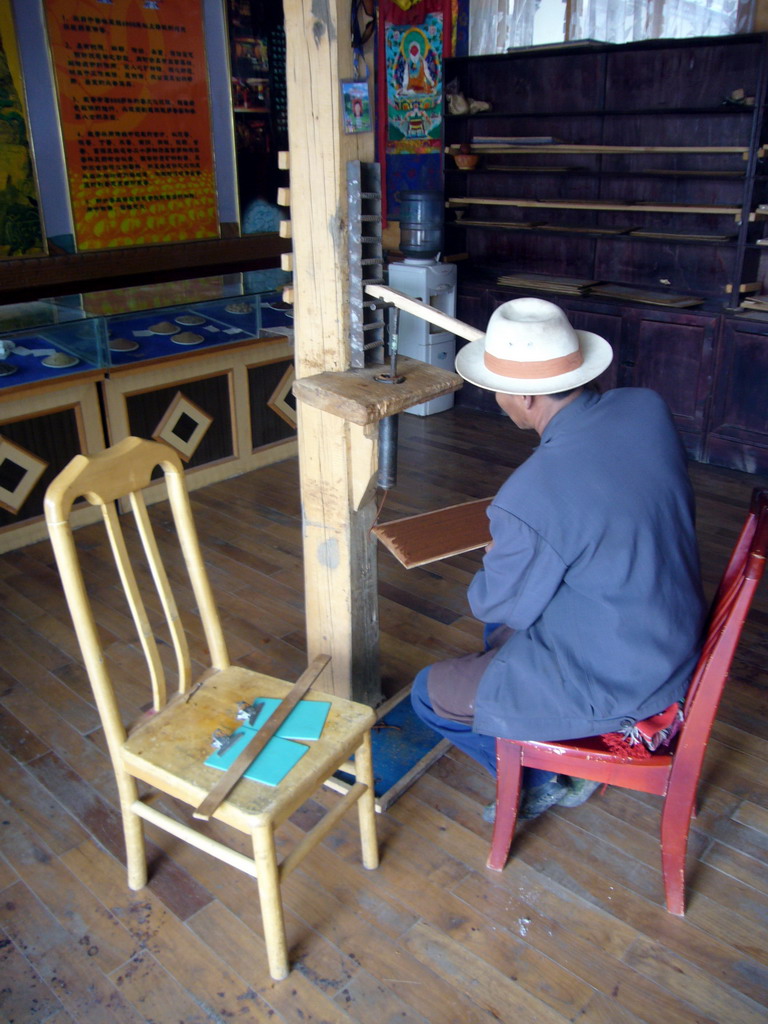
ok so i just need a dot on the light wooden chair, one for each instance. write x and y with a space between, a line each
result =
166 748
670 772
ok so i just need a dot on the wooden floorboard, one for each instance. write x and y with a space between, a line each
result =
574 929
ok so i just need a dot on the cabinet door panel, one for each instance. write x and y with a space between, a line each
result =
738 434
474 305
608 326
672 353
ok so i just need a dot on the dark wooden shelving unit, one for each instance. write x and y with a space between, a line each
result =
650 184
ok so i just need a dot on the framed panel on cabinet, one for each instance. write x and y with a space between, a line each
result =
41 430
672 353
738 428
219 383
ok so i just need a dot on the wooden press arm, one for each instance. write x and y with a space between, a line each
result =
424 312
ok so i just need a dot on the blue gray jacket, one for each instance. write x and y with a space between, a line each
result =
595 566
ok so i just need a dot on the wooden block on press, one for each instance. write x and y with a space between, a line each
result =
283 196
357 396
417 540
288 294
285 229
284 160
286 261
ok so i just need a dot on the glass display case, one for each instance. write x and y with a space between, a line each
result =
47 340
124 327
203 365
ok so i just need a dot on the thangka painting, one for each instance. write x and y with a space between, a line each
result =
21 232
415 86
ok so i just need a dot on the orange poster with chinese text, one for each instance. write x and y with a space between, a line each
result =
135 117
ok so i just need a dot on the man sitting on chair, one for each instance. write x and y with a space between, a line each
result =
590 586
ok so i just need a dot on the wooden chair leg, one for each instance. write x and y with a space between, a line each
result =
675 824
267 872
366 805
133 832
509 773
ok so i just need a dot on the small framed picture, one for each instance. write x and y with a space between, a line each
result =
183 426
356 105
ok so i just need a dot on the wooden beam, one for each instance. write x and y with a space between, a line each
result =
337 458
42 276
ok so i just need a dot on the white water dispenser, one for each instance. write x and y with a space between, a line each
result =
435 284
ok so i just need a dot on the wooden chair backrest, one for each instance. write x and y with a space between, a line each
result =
728 612
123 471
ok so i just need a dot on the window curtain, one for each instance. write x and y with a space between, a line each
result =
497 25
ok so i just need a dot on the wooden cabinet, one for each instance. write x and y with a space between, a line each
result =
236 392
628 184
636 167
738 427
673 354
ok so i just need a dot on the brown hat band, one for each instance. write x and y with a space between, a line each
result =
537 369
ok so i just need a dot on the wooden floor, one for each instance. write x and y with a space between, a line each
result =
573 930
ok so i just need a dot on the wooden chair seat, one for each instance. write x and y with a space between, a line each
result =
166 749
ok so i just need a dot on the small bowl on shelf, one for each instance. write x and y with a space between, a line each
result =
466 161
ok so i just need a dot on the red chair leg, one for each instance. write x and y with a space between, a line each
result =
509 773
675 824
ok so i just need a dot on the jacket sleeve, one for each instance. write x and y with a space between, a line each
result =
520 575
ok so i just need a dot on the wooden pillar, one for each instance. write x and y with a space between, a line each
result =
337 458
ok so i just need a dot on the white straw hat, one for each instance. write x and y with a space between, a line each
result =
530 348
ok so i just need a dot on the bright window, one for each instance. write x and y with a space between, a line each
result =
497 25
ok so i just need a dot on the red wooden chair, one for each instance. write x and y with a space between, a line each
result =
673 772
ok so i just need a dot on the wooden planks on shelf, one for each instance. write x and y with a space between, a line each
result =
522 225
630 294
545 282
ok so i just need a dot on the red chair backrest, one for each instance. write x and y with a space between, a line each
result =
726 619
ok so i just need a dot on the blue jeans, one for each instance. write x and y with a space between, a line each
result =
480 747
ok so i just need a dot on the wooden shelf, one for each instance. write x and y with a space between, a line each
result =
670 236
594 149
589 172
598 204
652 142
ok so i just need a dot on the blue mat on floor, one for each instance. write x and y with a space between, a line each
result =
399 741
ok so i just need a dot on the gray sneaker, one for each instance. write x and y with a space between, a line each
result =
577 791
535 801
541 798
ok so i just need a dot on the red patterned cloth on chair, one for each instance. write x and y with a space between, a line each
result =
642 738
